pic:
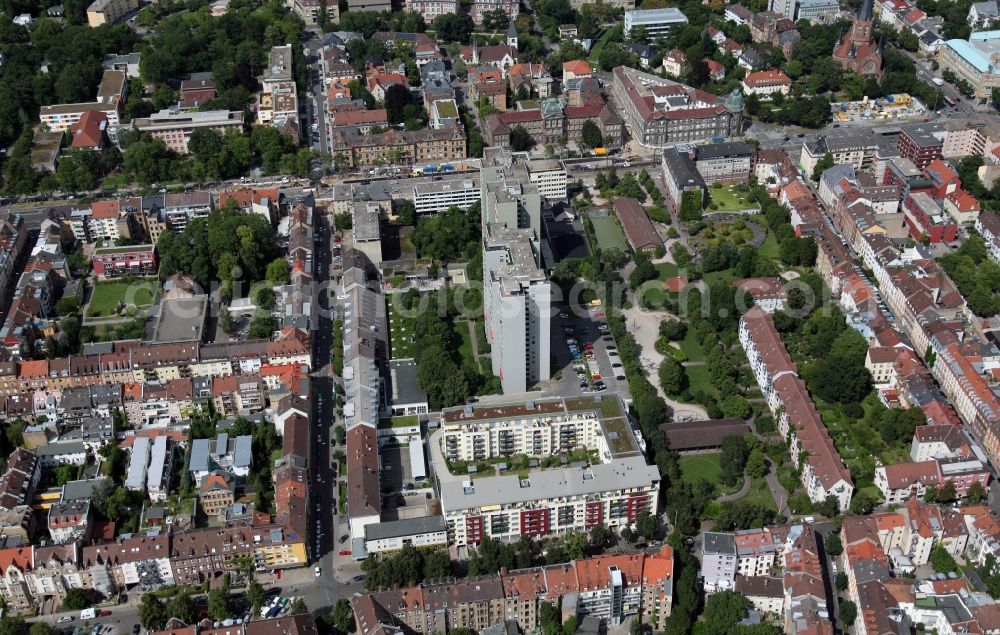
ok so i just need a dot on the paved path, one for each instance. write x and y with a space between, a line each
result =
645 328
743 491
779 493
475 345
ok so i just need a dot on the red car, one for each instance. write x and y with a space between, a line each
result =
345 552
104 613
588 346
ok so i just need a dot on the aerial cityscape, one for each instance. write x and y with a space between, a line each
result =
499 317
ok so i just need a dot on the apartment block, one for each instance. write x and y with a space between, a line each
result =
109 11
823 472
110 102
175 127
437 196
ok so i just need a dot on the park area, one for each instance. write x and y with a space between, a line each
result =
608 233
107 297
730 198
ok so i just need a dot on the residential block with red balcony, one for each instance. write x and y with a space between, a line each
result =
925 217
132 260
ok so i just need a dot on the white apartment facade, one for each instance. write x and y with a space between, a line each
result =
550 502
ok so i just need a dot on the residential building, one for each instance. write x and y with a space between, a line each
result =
551 502
517 293
109 11
988 226
369 5
423 531
217 493
535 429
431 9
399 147
233 456
89 133
674 61
766 83
718 561
823 473
480 8
175 127
924 217
921 143
660 112
112 262
21 476
309 11
658 23
70 521
110 102
730 161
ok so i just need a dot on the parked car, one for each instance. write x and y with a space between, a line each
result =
316 569
65 618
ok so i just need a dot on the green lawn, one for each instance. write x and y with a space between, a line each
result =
701 466
595 51
691 347
726 276
400 333
760 494
770 247
729 200
107 295
666 270
461 328
608 233
698 377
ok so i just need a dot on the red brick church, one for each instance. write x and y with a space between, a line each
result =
858 51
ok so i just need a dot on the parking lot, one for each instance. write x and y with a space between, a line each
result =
587 355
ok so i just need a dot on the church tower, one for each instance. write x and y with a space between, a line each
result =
858 51
512 35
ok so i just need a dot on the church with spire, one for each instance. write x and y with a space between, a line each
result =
858 51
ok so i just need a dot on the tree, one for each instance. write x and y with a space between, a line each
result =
218 604
298 607
340 435
941 560
591 134
520 139
261 327
756 464
152 613
723 611
277 271
734 459
397 98
343 617
75 600
265 298
976 493
183 607
840 581
848 612
41 628
946 493
673 330
407 213
255 595
454 27
825 163
646 525
496 20
833 545
673 380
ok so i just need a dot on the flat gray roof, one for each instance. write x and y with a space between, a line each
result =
406 527
571 481
199 455
75 490
403 380
181 319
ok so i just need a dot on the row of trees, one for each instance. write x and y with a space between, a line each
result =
975 274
